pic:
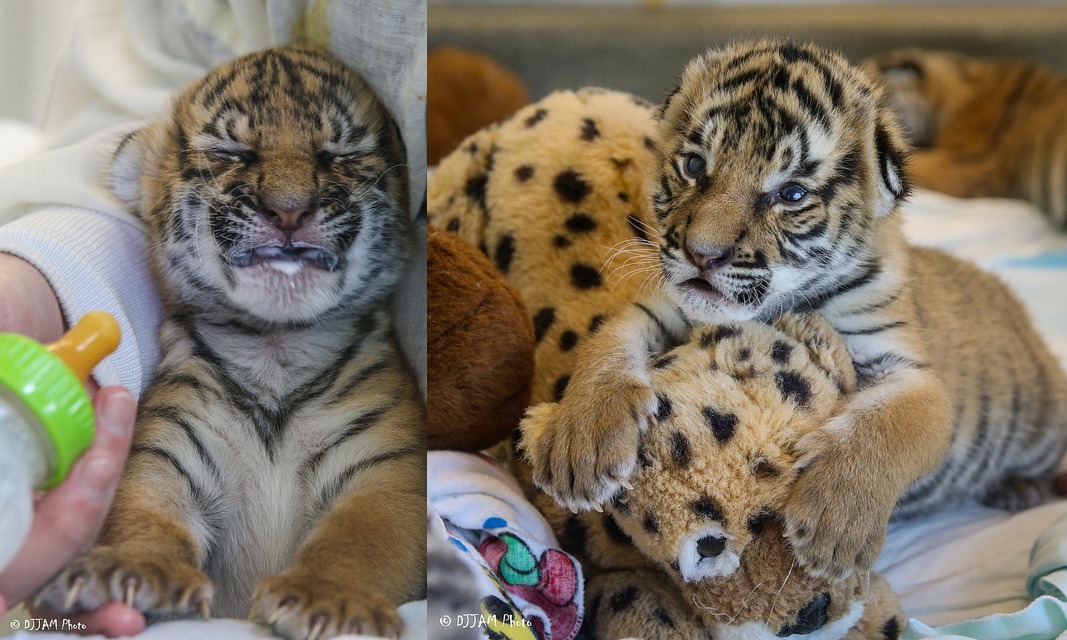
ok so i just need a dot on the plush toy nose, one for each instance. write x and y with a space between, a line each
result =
711 546
707 553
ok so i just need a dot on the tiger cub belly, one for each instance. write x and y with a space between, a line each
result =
268 507
262 536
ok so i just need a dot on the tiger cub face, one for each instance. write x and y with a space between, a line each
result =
774 161
276 189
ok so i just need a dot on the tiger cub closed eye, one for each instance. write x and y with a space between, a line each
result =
778 179
278 466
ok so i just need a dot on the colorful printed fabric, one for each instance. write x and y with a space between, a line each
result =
531 589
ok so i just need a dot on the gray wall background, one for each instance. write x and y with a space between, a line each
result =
642 48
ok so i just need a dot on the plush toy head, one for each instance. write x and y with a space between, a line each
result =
716 469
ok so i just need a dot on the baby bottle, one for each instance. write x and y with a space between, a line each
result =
46 417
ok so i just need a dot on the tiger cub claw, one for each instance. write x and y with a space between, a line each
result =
157 585
583 457
296 607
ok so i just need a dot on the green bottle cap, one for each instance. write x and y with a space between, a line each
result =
42 379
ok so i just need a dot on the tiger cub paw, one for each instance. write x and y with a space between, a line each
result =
155 584
299 607
835 517
1016 494
583 451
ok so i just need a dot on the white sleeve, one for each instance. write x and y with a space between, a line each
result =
96 261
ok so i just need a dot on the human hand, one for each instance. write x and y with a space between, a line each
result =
68 518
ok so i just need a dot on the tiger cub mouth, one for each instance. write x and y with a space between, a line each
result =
291 254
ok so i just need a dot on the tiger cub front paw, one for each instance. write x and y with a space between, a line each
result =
154 583
837 514
583 450
308 607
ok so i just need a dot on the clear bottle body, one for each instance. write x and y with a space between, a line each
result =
26 461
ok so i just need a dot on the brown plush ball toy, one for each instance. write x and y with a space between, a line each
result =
480 348
466 91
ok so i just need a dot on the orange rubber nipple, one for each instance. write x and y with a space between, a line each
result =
87 343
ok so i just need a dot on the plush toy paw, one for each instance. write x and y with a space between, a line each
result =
307 607
583 450
836 516
153 583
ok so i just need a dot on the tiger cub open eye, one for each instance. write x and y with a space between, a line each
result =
694 165
791 193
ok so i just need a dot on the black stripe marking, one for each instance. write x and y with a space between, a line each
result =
338 484
207 507
360 377
353 428
868 275
174 416
662 328
874 306
873 330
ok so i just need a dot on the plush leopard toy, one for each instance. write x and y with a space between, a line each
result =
556 197
713 474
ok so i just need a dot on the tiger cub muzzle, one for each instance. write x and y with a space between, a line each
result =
289 236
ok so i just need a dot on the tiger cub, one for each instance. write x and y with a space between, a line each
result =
981 128
278 466
776 189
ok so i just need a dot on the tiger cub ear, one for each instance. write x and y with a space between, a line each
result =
135 162
891 153
658 112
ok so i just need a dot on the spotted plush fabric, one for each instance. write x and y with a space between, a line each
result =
556 197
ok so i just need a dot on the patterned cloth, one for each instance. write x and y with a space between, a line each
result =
529 589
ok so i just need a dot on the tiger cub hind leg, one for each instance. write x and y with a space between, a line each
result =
1017 493
364 559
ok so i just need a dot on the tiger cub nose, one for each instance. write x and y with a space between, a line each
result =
708 258
287 219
